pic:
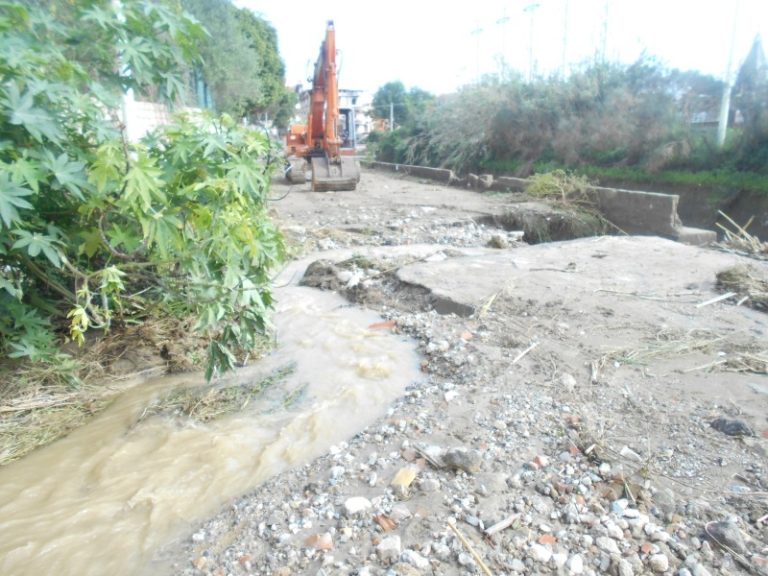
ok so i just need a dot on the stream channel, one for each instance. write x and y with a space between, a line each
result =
106 497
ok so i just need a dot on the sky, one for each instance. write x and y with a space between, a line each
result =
440 46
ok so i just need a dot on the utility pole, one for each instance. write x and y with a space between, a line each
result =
564 55
604 31
725 101
391 116
530 9
476 33
502 23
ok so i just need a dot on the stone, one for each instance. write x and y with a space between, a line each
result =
402 481
198 537
726 533
441 551
568 382
322 541
337 472
429 485
415 559
731 427
575 564
625 568
559 559
659 562
463 459
356 505
465 559
540 553
399 513
389 549
607 544
699 570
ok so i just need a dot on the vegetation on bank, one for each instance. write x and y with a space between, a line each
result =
640 123
97 232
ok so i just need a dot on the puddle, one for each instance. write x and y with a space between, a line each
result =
101 500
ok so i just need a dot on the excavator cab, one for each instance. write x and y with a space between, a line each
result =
325 144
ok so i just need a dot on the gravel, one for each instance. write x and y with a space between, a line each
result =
619 474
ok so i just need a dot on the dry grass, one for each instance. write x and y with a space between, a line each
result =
40 403
665 344
210 402
737 239
749 284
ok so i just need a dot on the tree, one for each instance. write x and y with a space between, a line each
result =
751 98
241 62
95 230
407 105
391 96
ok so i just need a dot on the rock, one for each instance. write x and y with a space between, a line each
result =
615 532
198 537
726 533
659 562
389 549
625 568
699 570
498 241
429 485
403 569
465 559
568 382
575 564
356 505
402 481
559 560
540 553
607 544
320 541
463 459
415 559
441 551
337 472
399 513
518 566
731 427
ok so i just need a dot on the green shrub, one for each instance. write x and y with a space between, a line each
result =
95 230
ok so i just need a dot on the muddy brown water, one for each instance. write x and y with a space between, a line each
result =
103 499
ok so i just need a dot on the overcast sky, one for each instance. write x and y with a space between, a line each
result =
438 46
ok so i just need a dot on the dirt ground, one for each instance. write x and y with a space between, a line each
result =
585 408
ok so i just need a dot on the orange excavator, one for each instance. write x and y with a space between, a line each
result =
323 144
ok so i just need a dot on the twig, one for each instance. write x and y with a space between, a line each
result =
716 299
643 296
705 366
739 558
501 525
471 550
524 352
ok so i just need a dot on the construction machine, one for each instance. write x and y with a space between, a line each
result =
325 144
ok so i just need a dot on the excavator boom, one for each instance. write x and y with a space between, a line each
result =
318 143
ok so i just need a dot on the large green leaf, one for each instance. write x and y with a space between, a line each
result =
12 197
38 122
143 183
35 243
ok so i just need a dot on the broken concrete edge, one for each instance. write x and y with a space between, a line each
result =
438 174
632 211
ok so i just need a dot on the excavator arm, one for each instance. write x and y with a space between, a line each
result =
318 142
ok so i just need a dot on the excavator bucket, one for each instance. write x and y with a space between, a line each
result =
327 175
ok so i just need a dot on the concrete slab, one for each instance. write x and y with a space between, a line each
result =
573 272
696 236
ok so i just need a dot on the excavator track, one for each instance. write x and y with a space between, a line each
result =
327 176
